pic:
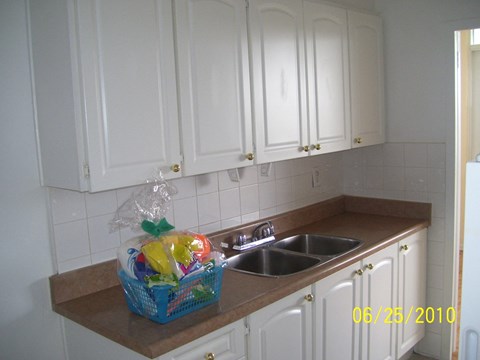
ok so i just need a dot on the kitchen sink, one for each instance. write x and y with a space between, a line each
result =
325 245
271 262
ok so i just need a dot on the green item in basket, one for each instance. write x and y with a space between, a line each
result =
161 279
203 293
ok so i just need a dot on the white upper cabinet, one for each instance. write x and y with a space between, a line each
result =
278 79
105 91
326 35
366 79
214 85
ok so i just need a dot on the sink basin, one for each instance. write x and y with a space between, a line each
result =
318 244
271 262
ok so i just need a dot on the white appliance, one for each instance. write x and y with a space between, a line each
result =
470 305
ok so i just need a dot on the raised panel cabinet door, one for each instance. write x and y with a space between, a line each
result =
326 34
412 288
380 286
282 330
278 79
214 87
129 96
227 343
366 79
336 334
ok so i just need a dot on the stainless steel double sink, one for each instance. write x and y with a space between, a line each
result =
292 255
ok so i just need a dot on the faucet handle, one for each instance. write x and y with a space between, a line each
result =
241 239
266 232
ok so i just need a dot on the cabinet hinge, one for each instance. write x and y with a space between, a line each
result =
247 3
247 329
86 171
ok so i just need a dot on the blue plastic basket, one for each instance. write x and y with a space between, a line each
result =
165 303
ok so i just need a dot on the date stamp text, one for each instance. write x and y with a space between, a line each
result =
400 315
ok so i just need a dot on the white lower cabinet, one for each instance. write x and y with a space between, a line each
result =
336 335
379 298
282 330
227 343
342 331
412 289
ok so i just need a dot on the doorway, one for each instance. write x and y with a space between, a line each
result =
467 138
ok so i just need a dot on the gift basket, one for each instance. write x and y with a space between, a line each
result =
165 274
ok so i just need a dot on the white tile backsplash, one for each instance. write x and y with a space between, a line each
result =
249 202
230 203
185 213
100 235
71 240
436 156
206 203
101 203
67 206
207 183
416 155
394 178
248 175
208 208
394 154
416 179
266 195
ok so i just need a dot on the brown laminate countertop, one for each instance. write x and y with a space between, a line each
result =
105 311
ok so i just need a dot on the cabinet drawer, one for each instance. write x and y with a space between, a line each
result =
227 343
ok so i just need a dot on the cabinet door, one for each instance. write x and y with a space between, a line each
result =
412 288
336 334
282 330
278 77
366 79
129 94
213 84
379 296
227 343
326 35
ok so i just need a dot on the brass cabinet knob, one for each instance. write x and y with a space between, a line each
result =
175 168
250 156
357 140
359 272
317 146
309 297
306 148
210 356
404 247
369 266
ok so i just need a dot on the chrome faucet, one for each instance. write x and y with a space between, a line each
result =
262 234
264 230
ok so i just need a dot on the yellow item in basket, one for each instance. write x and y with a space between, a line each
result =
179 245
157 258
182 254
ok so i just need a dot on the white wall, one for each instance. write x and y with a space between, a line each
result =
420 103
28 327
